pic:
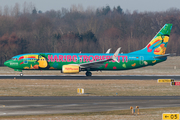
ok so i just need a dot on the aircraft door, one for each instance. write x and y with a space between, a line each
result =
141 60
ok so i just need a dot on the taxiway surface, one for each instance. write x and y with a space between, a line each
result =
150 77
10 106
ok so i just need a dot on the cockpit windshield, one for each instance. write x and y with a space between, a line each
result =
13 58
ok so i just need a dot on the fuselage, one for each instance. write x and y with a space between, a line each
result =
55 61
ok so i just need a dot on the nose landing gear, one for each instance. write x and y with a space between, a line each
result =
88 73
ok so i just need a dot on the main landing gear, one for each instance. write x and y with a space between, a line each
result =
88 73
21 74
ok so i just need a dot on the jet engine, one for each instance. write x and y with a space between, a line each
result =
69 69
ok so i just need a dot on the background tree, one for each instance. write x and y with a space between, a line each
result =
79 29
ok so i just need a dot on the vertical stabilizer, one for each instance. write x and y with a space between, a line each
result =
158 44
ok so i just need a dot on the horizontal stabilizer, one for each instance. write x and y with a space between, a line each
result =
165 55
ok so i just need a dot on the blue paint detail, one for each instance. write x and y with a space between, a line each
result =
55 65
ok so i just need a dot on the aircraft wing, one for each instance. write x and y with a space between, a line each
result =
97 64
108 51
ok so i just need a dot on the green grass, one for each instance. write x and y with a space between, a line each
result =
24 87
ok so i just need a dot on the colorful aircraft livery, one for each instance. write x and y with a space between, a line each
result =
70 63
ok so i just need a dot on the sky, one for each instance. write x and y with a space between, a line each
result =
131 5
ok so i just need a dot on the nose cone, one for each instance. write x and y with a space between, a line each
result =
7 63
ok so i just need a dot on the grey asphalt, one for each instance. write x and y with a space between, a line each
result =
11 106
74 77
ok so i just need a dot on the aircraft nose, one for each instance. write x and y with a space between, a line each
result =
7 63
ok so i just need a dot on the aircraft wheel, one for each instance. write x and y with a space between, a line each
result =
88 73
21 74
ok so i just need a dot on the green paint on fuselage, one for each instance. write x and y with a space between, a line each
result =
19 65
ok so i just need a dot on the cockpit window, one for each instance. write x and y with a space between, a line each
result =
14 59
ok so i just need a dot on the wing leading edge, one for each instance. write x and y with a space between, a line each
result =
97 64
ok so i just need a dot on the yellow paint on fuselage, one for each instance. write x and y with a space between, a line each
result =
31 56
42 62
133 65
26 67
154 61
31 67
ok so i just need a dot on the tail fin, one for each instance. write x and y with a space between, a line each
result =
159 43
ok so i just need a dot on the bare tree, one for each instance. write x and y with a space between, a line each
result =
16 10
6 10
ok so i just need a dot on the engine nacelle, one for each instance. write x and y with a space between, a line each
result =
69 69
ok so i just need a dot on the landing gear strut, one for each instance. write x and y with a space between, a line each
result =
21 74
88 73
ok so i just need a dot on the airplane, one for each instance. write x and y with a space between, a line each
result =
71 63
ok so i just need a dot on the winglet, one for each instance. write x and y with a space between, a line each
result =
116 55
108 51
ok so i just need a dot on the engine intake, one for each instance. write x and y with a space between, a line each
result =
69 69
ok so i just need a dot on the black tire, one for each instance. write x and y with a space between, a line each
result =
88 74
21 74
